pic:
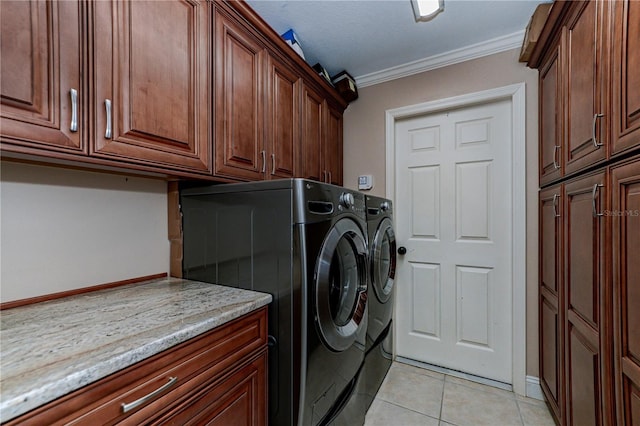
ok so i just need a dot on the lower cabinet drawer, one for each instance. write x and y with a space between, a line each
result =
155 386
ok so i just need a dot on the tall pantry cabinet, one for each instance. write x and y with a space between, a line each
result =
588 57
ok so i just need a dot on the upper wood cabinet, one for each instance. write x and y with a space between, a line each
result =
625 87
585 88
43 96
283 119
151 76
322 138
589 97
550 117
239 112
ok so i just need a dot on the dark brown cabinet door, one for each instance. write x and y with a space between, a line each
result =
585 86
333 145
625 119
283 120
550 113
625 213
550 314
151 75
40 60
586 302
239 143
312 134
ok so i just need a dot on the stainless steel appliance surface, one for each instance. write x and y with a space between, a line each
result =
305 243
382 266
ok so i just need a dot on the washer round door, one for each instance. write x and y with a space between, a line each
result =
383 260
341 285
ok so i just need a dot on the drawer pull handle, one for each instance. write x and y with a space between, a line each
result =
74 110
138 402
556 165
107 106
264 161
594 139
594 197
555 205
273 164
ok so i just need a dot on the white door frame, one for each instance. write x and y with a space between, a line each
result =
516 93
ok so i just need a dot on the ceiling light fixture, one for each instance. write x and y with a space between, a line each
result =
426 10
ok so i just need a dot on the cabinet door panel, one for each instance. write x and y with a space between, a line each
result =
585 299
40 60
626 77
550 118
239 110
333 146
551 319
584 87
151 64
312 134
625 210
283 120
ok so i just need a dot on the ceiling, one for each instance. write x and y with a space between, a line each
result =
377 40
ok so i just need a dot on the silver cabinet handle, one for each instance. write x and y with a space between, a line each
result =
329 181
555 205
324 175
264 160
107 106
593 131
556 165
594 195
273 164
138 402
74 110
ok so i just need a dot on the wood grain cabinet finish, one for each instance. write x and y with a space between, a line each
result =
625 215
322 139
551 152
587 303
239 114
151 76
42 92
625 118
217 378
587 55
551 314
586 83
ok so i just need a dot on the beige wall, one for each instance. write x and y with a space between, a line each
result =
65 229
364 140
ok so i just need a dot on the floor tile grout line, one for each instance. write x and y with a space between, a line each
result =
409 409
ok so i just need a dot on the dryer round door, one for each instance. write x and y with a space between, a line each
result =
383 260
341 285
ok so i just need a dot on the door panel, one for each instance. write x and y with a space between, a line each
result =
453 183
151 63
625 212
551 319
333 145
584 87
283 122
585 298
626 80
550 82
41 60
312 135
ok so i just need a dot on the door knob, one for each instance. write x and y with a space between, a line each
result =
402 250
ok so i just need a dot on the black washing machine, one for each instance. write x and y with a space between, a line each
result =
382 267
305 243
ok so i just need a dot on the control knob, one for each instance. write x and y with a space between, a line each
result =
347 200
385 206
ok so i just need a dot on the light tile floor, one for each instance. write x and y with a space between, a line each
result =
412 396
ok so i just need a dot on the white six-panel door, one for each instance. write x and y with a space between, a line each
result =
453 214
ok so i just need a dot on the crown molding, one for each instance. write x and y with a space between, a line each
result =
478 50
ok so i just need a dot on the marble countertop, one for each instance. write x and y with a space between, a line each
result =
52 348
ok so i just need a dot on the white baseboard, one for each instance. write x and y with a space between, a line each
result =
533 388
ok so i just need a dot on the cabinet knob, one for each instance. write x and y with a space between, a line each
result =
402 250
